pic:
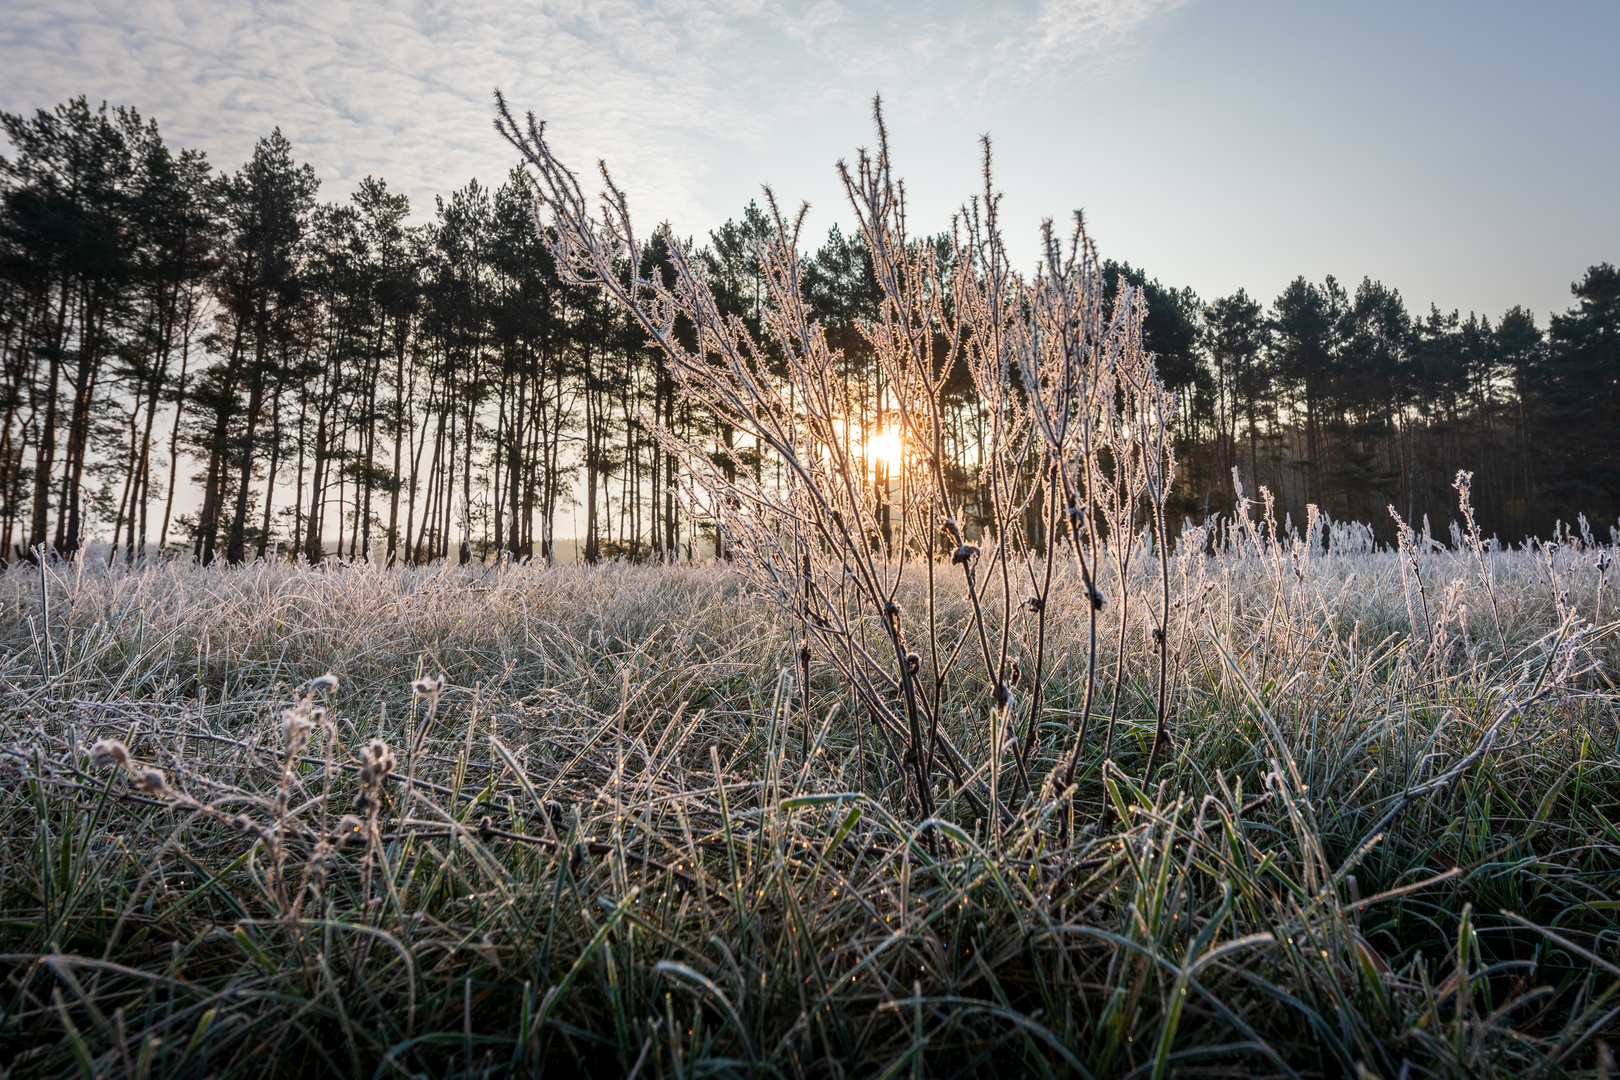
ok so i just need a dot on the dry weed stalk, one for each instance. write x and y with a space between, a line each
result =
1064 386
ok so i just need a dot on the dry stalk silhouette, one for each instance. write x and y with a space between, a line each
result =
1076 455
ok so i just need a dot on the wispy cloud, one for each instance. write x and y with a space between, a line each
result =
671 92
1093 28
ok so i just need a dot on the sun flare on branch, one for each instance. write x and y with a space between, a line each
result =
1054 367
887 449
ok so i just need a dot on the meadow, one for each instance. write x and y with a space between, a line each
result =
964 756
618 838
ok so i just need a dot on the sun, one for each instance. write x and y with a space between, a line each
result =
887 447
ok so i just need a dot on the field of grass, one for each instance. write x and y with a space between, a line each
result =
1384 841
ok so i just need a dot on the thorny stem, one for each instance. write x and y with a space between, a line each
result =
1162 631
1042 595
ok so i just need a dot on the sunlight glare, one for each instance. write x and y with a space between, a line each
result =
887 447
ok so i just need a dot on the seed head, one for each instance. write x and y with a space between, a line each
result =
110 754
429 687
325 683
349 827
377 761
296 725
152 781
963 554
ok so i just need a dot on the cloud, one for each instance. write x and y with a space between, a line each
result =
674 93
1093 27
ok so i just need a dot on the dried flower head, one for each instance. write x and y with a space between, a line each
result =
296 726
376 762
429 687
963 554
324 683
110 754
349 827
152 781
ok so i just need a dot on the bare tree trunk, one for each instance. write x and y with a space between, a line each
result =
399 439
45 456
312 535
234 546
275 462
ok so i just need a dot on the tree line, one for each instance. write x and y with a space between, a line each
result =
221 363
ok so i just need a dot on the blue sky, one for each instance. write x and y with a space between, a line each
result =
1465 153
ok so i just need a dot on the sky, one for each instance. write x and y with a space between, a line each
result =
1465 153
